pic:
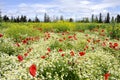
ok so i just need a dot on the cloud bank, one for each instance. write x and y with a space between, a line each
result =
68 8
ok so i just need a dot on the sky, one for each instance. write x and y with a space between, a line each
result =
75 9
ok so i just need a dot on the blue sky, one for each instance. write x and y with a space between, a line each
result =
68 8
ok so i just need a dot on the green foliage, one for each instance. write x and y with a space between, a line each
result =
59 70
80 45
7 46
21 32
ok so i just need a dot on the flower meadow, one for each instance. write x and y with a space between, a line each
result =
36 53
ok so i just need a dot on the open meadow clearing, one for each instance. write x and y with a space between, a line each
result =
59 51
59 39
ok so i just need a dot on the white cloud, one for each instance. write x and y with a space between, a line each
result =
68 8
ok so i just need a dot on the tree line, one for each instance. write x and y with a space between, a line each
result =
47 18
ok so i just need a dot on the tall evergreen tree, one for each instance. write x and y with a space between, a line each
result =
45 17
0 16
12 19
18 19
15 19
92 19
96 19
118 18
5 18
21 18
112 20
100 18
71 20
61 18
36 19
24 19
108 18
29 20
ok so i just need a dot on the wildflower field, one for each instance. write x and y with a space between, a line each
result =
59 51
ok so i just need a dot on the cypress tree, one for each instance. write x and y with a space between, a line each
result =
100 18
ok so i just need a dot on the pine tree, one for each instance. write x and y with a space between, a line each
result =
100 18
18 19
96 19
21 18
71 20
108 18
36 19
29 20
87 20
112 20
5 18
118 18
92 20
45 17
0 16
61 18
24 19
15 19
12 19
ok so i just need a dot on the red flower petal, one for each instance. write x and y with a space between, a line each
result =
26 54
20 58
72 53
115 44
1 35
43 57
32 70
70 37
106 76
63 55
81 53
17 44
48 49
60 50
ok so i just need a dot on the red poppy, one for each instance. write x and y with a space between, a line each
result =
93 48
20 58
43 57
32 70
49 50
74 37
60 50
60 40
64 38
69 37
86 46
40 29
106 76
62 55
1 35
26 54
17 44
88 40
29 50
103 44
115 44
72 53
63 33
81 53
110 45
84 49
24 42
102 30
98 40
86 35
47 53
106 39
